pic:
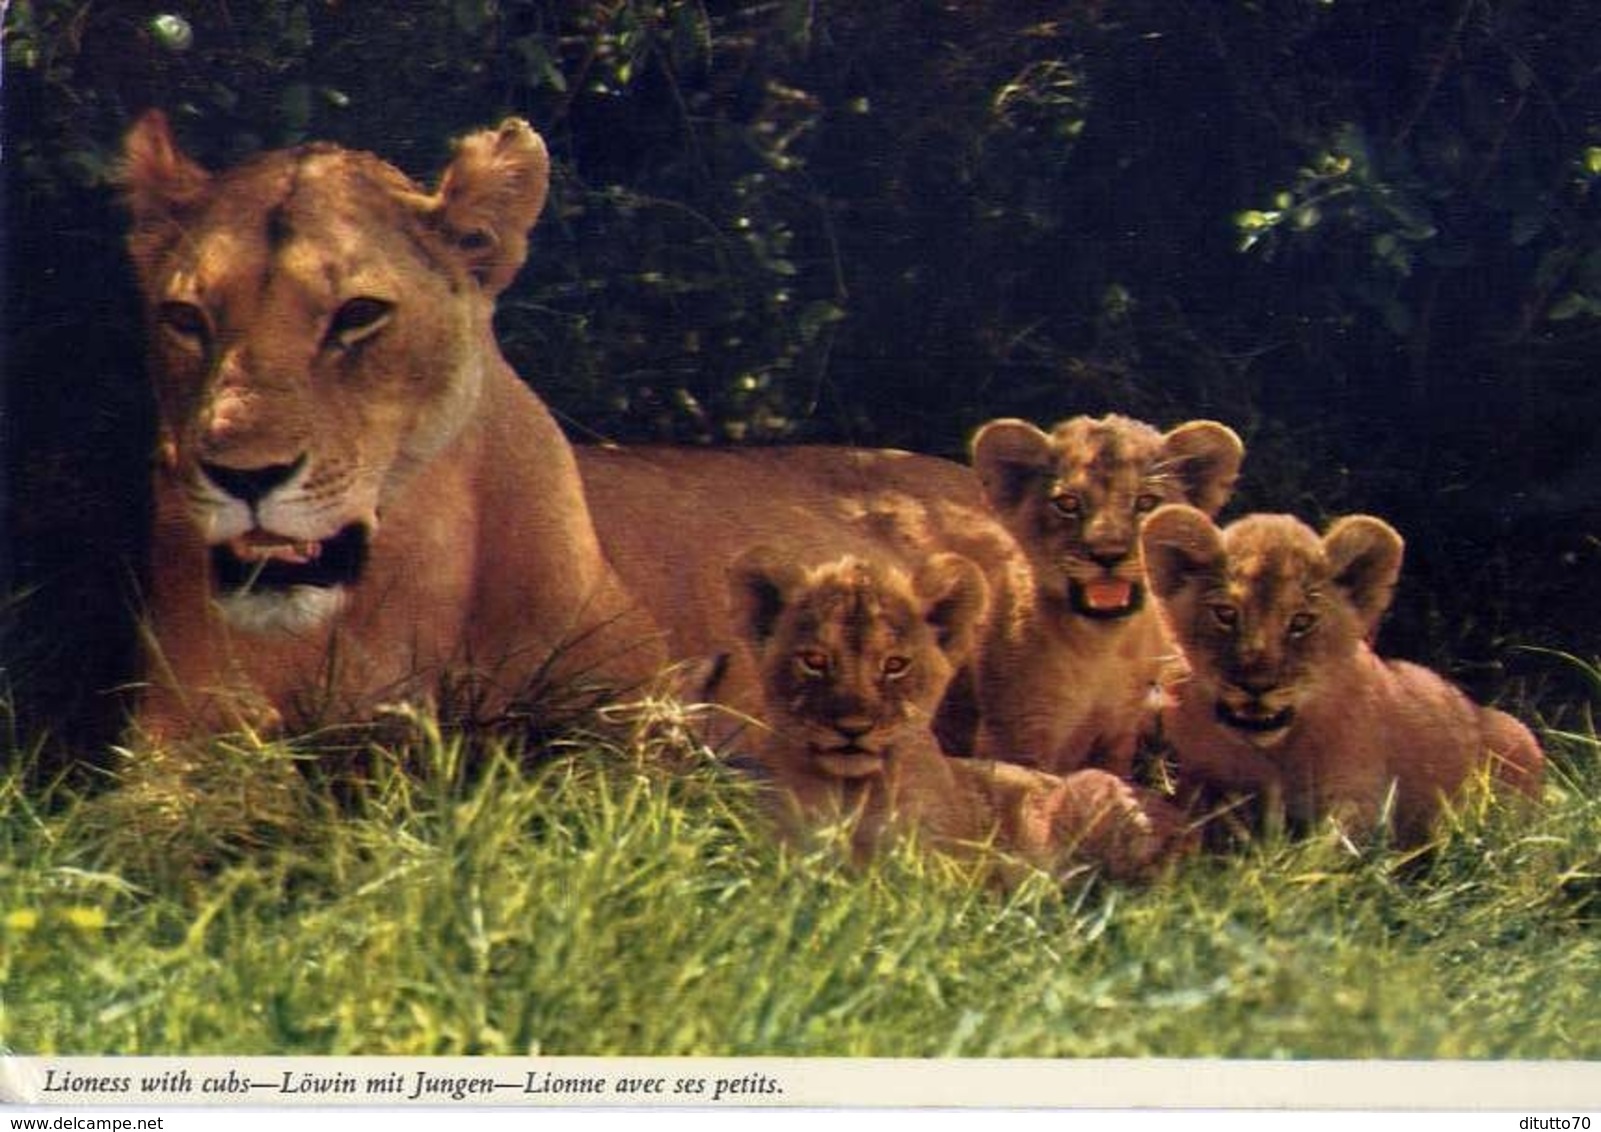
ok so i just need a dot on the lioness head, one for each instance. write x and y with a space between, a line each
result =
1264 608
854 655
1074 497
316 326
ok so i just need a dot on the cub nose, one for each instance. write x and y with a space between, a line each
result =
853 727
250 485
1257 684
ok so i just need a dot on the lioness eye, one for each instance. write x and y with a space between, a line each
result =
1147 502
1225 615
185 320
1067 504
812 662
896 666
1301 624
358 319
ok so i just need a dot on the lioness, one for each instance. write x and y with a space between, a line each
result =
854 657
1283 696
1072 651
353 491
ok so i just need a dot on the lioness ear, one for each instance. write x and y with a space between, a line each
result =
158 179
1204 457
1009 456
490 196
955 597
1179 542
1364 556
159 184
760 584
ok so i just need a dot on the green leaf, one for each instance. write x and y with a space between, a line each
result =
295 106
1589 271
1551 266
1396 317
692 34
816 316
1572 305
1351 141
539 66
1529 223
297 31
472 16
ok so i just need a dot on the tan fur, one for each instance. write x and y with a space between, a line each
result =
674 519
321 343
854 657
1284 697
1073 649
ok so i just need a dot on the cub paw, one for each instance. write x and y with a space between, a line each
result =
1097 818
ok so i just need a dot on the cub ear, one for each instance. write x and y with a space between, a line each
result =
1010 456
1364 556
1204 457
489 197
761 583
955 599
1179 542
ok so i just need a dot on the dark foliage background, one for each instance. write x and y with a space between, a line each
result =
1365 234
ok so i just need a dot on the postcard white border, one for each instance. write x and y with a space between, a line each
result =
589 1082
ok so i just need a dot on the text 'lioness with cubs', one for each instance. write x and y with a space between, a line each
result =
1284 698
853 657
354 494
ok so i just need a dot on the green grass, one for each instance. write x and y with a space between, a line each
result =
462 898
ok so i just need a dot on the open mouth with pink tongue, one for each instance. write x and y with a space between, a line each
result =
261 560
1106 598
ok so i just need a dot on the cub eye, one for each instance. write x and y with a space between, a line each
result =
1067 504
1226 616
812 662
1302 623
1147 502
185 321
475 240
896 666
358 319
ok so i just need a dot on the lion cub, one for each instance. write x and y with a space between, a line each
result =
1285 698
853 658
1072 652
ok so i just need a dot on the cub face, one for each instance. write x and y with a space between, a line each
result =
314 321
1264 608
854 656
1074 497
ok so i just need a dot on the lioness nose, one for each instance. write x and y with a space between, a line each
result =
249 485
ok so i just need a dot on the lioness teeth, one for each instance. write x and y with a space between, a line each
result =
257 547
